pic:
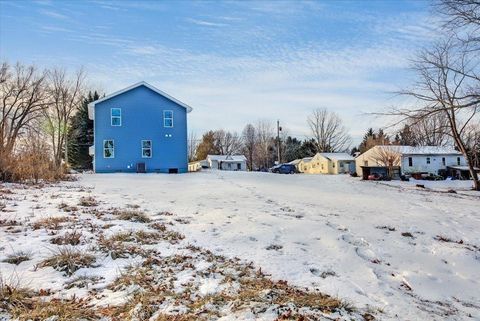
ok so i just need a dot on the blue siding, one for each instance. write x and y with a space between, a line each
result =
142 119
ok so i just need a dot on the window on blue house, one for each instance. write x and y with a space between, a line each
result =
116 116
146 148
108 148
167 118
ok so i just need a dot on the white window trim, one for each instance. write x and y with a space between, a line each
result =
111 116
164 118
103 147
151 147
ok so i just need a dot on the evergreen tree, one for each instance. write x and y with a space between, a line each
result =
80 135
308 148
406 136
354 151
292 149
369 136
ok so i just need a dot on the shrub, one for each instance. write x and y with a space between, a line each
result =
31 163
69 260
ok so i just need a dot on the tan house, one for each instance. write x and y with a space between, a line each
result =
304 164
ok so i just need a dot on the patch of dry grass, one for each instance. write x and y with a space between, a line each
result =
14 296
172 236
145 237
69 260
69 238
88 201
9 222
56 309
141 306
158 226
117 245
50 223
178 317
132 216
18 257
67 208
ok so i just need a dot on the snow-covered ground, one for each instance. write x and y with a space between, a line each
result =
407 253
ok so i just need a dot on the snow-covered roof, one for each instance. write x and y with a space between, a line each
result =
338 156
306 159
295 161
91 106
422 150
226 158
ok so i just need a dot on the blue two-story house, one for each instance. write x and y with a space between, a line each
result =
139 129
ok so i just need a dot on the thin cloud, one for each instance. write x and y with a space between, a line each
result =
205 23
53 14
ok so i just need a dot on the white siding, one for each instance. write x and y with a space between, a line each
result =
419 163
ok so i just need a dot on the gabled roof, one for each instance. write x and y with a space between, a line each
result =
338 156
234 158
91 106
421 150
295 161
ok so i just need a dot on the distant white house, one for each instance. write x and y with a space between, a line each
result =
227 162
408 159
328 163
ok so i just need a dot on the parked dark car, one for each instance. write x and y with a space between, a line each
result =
284 169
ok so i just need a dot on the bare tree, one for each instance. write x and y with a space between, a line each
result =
192 146
227 143
65 97
249 140
472 141
462 19
447 85
430 131
387 156
328 131
264 143
22 98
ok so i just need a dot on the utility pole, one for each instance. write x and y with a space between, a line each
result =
279 154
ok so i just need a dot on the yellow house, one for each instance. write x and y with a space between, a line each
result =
330 163
303 165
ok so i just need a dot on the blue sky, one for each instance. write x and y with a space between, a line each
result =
233 62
